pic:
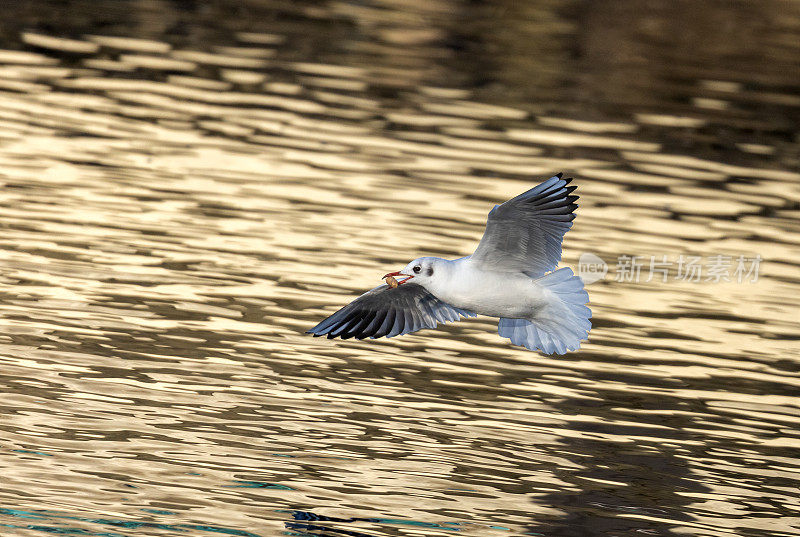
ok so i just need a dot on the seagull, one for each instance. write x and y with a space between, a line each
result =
511 275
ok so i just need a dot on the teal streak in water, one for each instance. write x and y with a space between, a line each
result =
128 524
259 485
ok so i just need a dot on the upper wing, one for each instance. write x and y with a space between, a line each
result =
386 311
524 234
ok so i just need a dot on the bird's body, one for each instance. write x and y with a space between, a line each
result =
496 294
510 275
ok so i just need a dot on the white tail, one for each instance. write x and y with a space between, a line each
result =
559 326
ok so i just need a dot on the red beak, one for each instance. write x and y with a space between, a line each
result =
399 282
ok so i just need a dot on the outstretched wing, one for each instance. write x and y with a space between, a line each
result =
524 234
386 311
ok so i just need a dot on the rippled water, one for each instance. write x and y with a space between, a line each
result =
189 186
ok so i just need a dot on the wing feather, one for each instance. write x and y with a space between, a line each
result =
376 323
387 312
525 233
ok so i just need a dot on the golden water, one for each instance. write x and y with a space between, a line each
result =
187 188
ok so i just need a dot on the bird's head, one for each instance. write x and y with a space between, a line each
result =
422 270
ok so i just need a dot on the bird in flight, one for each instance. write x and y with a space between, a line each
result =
511 275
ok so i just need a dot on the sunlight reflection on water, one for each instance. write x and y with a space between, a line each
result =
185 196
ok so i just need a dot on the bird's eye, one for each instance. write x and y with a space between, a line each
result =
416 269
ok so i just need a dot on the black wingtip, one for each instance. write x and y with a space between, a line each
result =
559 174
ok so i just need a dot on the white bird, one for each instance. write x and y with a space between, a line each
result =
508 276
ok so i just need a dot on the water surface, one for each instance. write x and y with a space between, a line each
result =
189 186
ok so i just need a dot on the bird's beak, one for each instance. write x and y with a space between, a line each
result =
396 282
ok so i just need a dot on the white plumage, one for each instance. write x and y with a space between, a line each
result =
508 276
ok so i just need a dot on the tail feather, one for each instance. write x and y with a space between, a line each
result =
561 325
